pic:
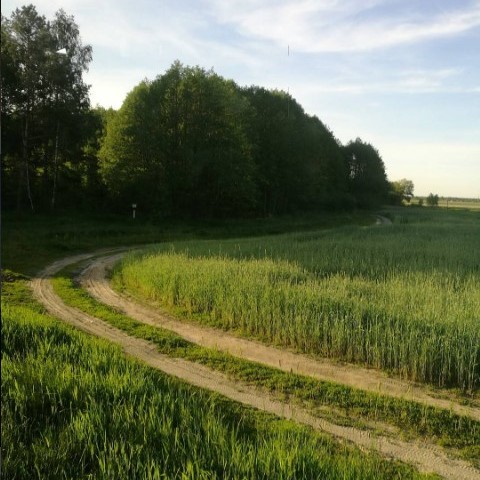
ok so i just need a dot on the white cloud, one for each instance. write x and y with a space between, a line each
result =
404 81
336 26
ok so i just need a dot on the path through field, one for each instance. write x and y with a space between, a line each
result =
95 282
427 458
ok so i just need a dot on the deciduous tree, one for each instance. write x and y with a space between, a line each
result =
401 190
43 96
367 177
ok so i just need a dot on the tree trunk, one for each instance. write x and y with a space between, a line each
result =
20 174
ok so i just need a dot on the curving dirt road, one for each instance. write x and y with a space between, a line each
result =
425 457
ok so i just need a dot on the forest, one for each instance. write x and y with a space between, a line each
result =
187 144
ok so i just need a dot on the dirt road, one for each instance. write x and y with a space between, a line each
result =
425 457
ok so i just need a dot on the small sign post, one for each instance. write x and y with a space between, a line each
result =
134 206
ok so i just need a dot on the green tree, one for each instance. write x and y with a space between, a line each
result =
367 177
133 150
275 134
401 190
178 146
432 200
43 96
299 162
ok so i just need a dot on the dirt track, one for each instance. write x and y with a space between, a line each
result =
425 457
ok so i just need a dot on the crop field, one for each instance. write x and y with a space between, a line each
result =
75 407
403 297
459 203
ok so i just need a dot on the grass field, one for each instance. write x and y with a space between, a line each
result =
405 298
352 406
454 203
75 407
459 203
83 409
29 241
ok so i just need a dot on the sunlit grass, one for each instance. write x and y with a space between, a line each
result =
404 298
75 407
352 406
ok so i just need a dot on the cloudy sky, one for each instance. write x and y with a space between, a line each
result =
403 75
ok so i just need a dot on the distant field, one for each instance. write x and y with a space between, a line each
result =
473 204
459 203
404 297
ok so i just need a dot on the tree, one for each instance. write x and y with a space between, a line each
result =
401 190
43 96
275 132
178 145
432 200
367 177
300 164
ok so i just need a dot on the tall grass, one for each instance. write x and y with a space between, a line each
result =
75 407
404 298
349 404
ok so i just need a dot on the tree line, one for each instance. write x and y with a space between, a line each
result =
189 143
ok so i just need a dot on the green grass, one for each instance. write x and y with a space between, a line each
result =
455 203
75 407
351 404
404 298
29 242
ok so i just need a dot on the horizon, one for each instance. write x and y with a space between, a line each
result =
403 76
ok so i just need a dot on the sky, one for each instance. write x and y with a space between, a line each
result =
403 75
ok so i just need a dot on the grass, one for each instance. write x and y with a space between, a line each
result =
351 405
29 242
75 407
405 298
455 203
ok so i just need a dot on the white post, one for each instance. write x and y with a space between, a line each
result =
134 206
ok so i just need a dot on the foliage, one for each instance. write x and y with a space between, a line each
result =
401 190
44 102
299 162
182 138
432 200
201 146
187 144
367 178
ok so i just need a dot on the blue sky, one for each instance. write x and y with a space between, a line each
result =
403 75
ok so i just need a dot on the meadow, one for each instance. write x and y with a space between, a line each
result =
346 405
404 297
75 407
